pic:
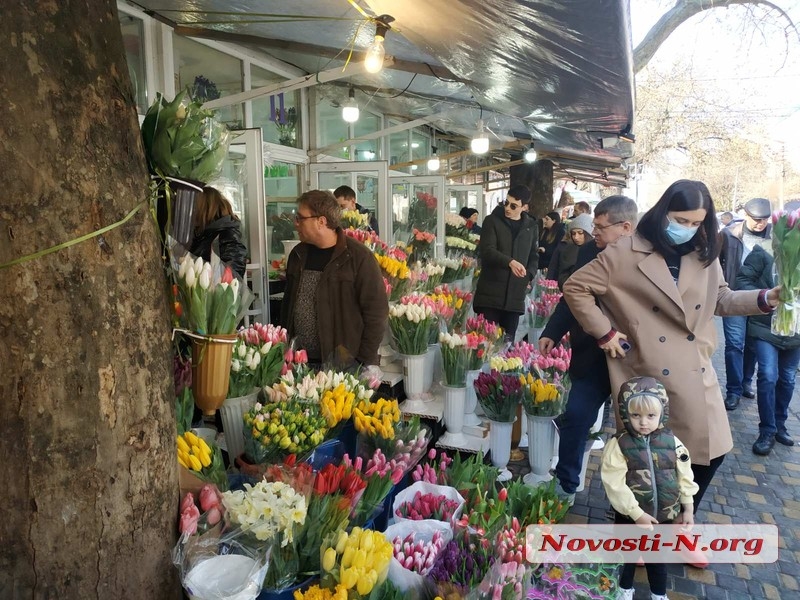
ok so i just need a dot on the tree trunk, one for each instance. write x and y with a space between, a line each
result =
87 432
538 176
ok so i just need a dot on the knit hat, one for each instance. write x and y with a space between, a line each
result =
583 222
520 192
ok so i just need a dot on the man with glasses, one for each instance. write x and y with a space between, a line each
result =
509 259
614 217
335 305
738 241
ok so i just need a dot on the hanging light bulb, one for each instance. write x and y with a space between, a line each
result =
350 108
480 143
373 59
433 162
530 154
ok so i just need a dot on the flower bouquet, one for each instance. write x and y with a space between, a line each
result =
191 520
356 563
270 342
452 267
490 333
274 430
410 325
457 302
504 364
538 505
486 511
396 273
379 474
432 471
415 546
376 418
403 450
455 358
786 249
420 245
553 367
545 299
422 212
428 506
424 277
271 510
352 219
455 225
201 460
462 564
541 399
499 394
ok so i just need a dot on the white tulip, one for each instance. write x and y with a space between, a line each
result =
266 348
235 287
198 265
182 268
242 351
205 277
191 279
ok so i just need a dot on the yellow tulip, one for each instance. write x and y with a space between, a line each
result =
341 542
347 557
329 559
182 445
364 586
348 578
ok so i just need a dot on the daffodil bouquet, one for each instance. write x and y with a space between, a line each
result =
499 394
786 249
410 325
271 510
211 296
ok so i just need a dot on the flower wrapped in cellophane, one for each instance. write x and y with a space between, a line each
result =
356 562
202 460
542 302
786 250
540 398
273 430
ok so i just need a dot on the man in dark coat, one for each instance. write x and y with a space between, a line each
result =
346 198
738 240
509 259
614 217
335 303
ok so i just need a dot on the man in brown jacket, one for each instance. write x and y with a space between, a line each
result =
335 305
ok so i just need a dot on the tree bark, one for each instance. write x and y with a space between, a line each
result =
88 429
682 12
538 176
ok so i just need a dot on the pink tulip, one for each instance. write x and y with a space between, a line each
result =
227 275
189 518
213 516
188 500
209 497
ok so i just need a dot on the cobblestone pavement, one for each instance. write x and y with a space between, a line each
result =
746 489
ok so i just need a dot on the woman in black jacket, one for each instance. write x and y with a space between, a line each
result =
508 261
552 234
214 221
777 356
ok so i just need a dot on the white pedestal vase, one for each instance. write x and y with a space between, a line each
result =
470 418
232 412
582 478
500 447
430 366
523 439
414 382
598 444
541 447
455 399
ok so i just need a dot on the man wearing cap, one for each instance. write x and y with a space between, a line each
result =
509 259
738 240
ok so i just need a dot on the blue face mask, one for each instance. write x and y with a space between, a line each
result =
679 234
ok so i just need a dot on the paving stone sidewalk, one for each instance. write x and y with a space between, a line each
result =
746 489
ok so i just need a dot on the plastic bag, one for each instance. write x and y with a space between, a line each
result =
405 579
227 565
423 487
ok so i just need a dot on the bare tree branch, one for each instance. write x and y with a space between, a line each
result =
685 10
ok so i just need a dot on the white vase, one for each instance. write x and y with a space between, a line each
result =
288 246
470 418
523 425
500 447
582 478
541 448
232 412
455 399
430 366
414 381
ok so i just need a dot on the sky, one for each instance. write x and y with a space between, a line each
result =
754 63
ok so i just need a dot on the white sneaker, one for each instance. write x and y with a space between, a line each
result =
564 495
625 594
658 597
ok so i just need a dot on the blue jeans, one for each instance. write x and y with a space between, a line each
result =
740 359
585 398
776 373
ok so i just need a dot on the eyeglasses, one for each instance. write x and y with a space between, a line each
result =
510 205
299 217
604 227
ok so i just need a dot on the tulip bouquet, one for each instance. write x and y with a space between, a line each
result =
425 277
554 367
403 451
202 461
503 364
379 474
535 506
462 564
410 325
271 510
396 273
526 352
541 399
428 506
505 581
352 219
486 510
420 244
357 562
786 249
434 469
490 333
260 354
546 297
212 298
452 268
458 244
455 225
191 520
277 429
457 304
376 419
499 394
456 356
311 386
417 555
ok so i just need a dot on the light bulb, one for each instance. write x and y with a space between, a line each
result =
480 143
373 59
350 108
434 163
530 155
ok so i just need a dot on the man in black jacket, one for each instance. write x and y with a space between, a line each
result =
346 199
614 217
738 241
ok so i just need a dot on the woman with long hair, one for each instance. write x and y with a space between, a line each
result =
552 234
214 221
649 300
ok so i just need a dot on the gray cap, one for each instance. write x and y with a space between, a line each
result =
758 208
583 221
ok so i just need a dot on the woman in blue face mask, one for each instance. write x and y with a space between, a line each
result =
650 301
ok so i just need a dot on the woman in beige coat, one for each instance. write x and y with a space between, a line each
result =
650 301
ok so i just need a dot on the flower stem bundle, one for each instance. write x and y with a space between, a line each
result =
786 249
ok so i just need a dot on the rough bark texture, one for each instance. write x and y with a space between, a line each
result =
87 432
538 177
